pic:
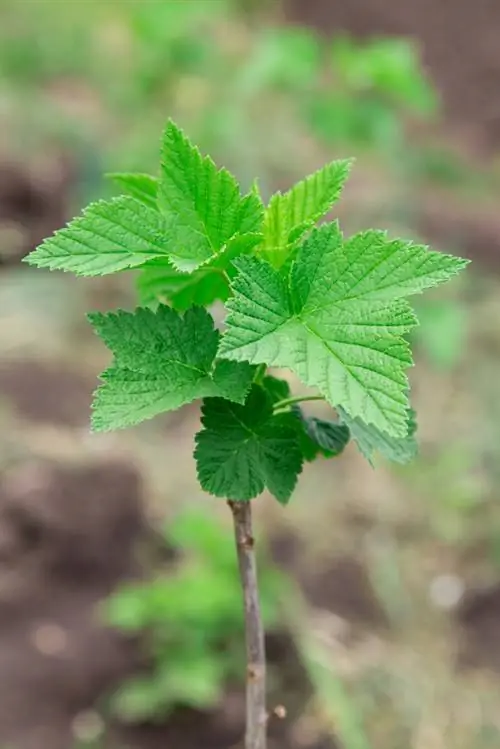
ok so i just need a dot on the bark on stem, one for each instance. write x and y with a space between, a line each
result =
256 713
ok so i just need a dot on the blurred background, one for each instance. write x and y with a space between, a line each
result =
120 614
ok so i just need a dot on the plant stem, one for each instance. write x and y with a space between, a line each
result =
296 399
256 713
260 374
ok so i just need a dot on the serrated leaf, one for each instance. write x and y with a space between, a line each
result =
161 361
242 449
143 187
205 205
109 236
369 439
337 318
322 437
291 214
203 218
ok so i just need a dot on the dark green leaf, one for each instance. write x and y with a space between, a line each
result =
242 449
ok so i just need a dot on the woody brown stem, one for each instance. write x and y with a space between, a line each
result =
256 713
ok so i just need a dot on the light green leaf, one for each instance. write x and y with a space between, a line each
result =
110 236
290 215
143 187
161 362
369 439
336 319
204 203
242 449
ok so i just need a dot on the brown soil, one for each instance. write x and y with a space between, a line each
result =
479 617
33 203
43 393
68 536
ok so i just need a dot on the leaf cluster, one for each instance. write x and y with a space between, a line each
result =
330 309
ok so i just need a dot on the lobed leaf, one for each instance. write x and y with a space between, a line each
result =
109 236
337 318
161 361
192 215
204 203
243 449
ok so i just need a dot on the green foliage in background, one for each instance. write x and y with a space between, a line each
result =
201 62
376 83
330 308
194 618
347 91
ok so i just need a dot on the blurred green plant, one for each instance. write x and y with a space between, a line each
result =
372 87
194 617
205 64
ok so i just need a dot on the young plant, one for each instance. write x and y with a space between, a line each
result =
330 308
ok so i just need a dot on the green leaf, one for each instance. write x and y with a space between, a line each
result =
290 215
337 318
322 437
110 236
242 449
143 187
317 436
203 218
369 439
161 362
161 282
277 389
204 204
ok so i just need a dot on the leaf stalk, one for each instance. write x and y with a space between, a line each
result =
296 399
